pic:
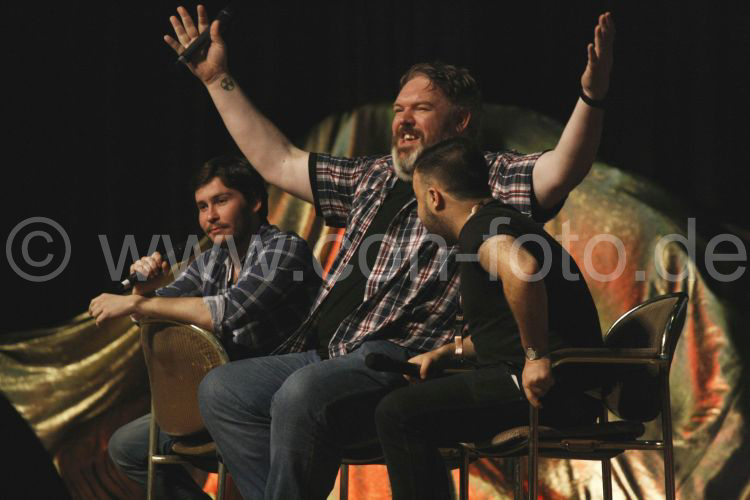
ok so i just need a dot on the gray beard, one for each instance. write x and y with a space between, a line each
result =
405 169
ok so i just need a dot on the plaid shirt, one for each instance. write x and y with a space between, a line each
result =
271 297
411 295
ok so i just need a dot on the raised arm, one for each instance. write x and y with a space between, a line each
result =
558 171
271 153
528 303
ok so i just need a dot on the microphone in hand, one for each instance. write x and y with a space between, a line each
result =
224 16
383 363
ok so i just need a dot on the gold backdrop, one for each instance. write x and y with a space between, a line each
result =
76 383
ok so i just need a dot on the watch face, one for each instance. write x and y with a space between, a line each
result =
531 354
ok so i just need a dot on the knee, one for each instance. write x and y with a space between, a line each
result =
212 393
297 399
116 447
123 444
390 413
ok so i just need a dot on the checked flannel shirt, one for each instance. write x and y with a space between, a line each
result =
272 295
411 295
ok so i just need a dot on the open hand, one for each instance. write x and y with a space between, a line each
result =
209 64
595 79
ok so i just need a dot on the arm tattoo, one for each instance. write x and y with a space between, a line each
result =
227 83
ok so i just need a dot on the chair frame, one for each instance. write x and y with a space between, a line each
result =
464 459
577 448
155 458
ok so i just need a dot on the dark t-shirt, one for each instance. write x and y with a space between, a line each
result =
572 316
349 292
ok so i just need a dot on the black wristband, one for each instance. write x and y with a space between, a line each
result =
594 103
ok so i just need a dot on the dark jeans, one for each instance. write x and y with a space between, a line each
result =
281 422
414 421
128 448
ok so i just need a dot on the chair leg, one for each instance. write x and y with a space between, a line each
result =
152 432
344 482
666 429
533 451
222 473
517 481
607 479
606 464
463 475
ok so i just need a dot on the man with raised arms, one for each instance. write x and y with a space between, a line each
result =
283 435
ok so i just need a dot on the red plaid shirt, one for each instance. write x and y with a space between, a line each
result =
411 296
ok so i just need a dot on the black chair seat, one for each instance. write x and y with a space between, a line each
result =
366 454
560 443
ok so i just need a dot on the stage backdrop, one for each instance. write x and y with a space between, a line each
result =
76 383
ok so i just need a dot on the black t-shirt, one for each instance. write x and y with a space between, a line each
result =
572 316
349 292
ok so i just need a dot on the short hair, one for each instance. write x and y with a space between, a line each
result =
458 165
236 173
457 84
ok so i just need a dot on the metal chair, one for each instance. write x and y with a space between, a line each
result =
178 356
638 349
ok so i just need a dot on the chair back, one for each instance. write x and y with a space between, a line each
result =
653 326
178 356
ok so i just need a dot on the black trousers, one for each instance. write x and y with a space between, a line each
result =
414 421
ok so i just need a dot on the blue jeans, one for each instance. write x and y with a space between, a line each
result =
281 422
128 449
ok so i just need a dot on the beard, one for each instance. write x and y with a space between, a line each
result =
403 159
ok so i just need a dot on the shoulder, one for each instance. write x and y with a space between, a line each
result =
289 242
379 165
362 162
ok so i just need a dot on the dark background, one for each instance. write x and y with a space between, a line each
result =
102 127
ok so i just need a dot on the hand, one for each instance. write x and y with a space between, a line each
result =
108 306
429 361
537 380
595 79
209 64
150 267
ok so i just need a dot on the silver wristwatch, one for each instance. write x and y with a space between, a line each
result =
533 354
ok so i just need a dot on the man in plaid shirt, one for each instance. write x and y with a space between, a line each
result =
283 422
251 289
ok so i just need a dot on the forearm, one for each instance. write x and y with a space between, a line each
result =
190 310
528 303
558 171
268 150
148 287
563 168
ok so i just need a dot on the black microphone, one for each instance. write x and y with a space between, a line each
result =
135 277
383 363
224 16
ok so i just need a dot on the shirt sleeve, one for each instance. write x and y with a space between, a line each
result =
334 183
188 284
511 182
263 286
